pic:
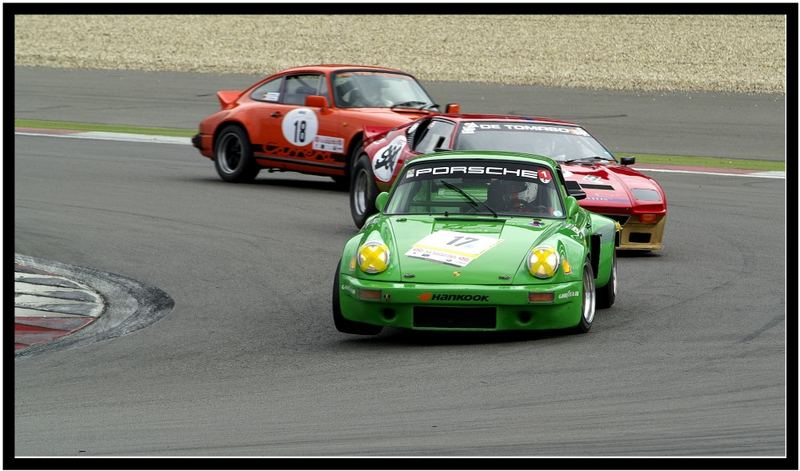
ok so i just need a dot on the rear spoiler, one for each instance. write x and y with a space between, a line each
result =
227 98
372 133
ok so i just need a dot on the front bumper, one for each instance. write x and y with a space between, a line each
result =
450 307
638 236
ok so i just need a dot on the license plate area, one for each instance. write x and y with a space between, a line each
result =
448 317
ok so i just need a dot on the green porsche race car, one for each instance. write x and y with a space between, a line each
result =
477 241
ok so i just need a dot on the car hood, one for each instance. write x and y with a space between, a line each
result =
608 186
497 266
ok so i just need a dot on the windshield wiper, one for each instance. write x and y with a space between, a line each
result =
592 158
469 197
411 104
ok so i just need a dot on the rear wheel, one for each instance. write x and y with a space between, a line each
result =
588 304
342 182
345 325
363 191
608 293
233 156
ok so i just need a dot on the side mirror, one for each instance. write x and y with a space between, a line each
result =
627 160
572 206
380 201
317 101
454 108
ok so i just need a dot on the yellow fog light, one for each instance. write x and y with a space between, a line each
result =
543 262
373 257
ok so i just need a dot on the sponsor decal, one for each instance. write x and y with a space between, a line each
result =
474 170
591 178
452 248
272 96
544 176
385 160
568 294
471 127
607 198
300 126
557 213
468 128
329 144
453 297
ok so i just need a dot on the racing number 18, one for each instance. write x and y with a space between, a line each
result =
300 131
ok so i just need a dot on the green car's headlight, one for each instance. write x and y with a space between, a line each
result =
373 257
543 261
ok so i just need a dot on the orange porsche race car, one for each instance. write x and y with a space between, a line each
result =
308 119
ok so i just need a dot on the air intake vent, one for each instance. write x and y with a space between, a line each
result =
596 187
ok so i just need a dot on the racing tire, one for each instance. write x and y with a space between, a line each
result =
589 299
344 325
233 156
342 182
608 293
363 191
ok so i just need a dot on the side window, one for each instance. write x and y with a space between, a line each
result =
437 135
323 88
298 87
270 91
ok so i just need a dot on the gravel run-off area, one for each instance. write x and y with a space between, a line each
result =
724 53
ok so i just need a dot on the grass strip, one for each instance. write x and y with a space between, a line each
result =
699 161
687 160
123 128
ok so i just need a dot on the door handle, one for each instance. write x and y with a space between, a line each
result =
276 114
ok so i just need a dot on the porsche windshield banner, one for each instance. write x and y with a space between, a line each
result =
504 170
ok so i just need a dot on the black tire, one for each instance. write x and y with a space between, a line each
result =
589 298
608 293
342 183
233 156
344 325
363 191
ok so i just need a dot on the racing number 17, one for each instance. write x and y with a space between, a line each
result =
461 240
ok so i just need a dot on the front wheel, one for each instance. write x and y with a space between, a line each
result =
233 156
363 191
345 325
588 304
608 293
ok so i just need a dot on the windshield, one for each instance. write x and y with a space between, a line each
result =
476 187
366 89
560 143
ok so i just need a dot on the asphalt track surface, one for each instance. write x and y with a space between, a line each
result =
707 124
690 361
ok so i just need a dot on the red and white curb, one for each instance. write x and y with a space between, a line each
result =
126 137
48 306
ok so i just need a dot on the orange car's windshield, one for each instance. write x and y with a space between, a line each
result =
368 89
